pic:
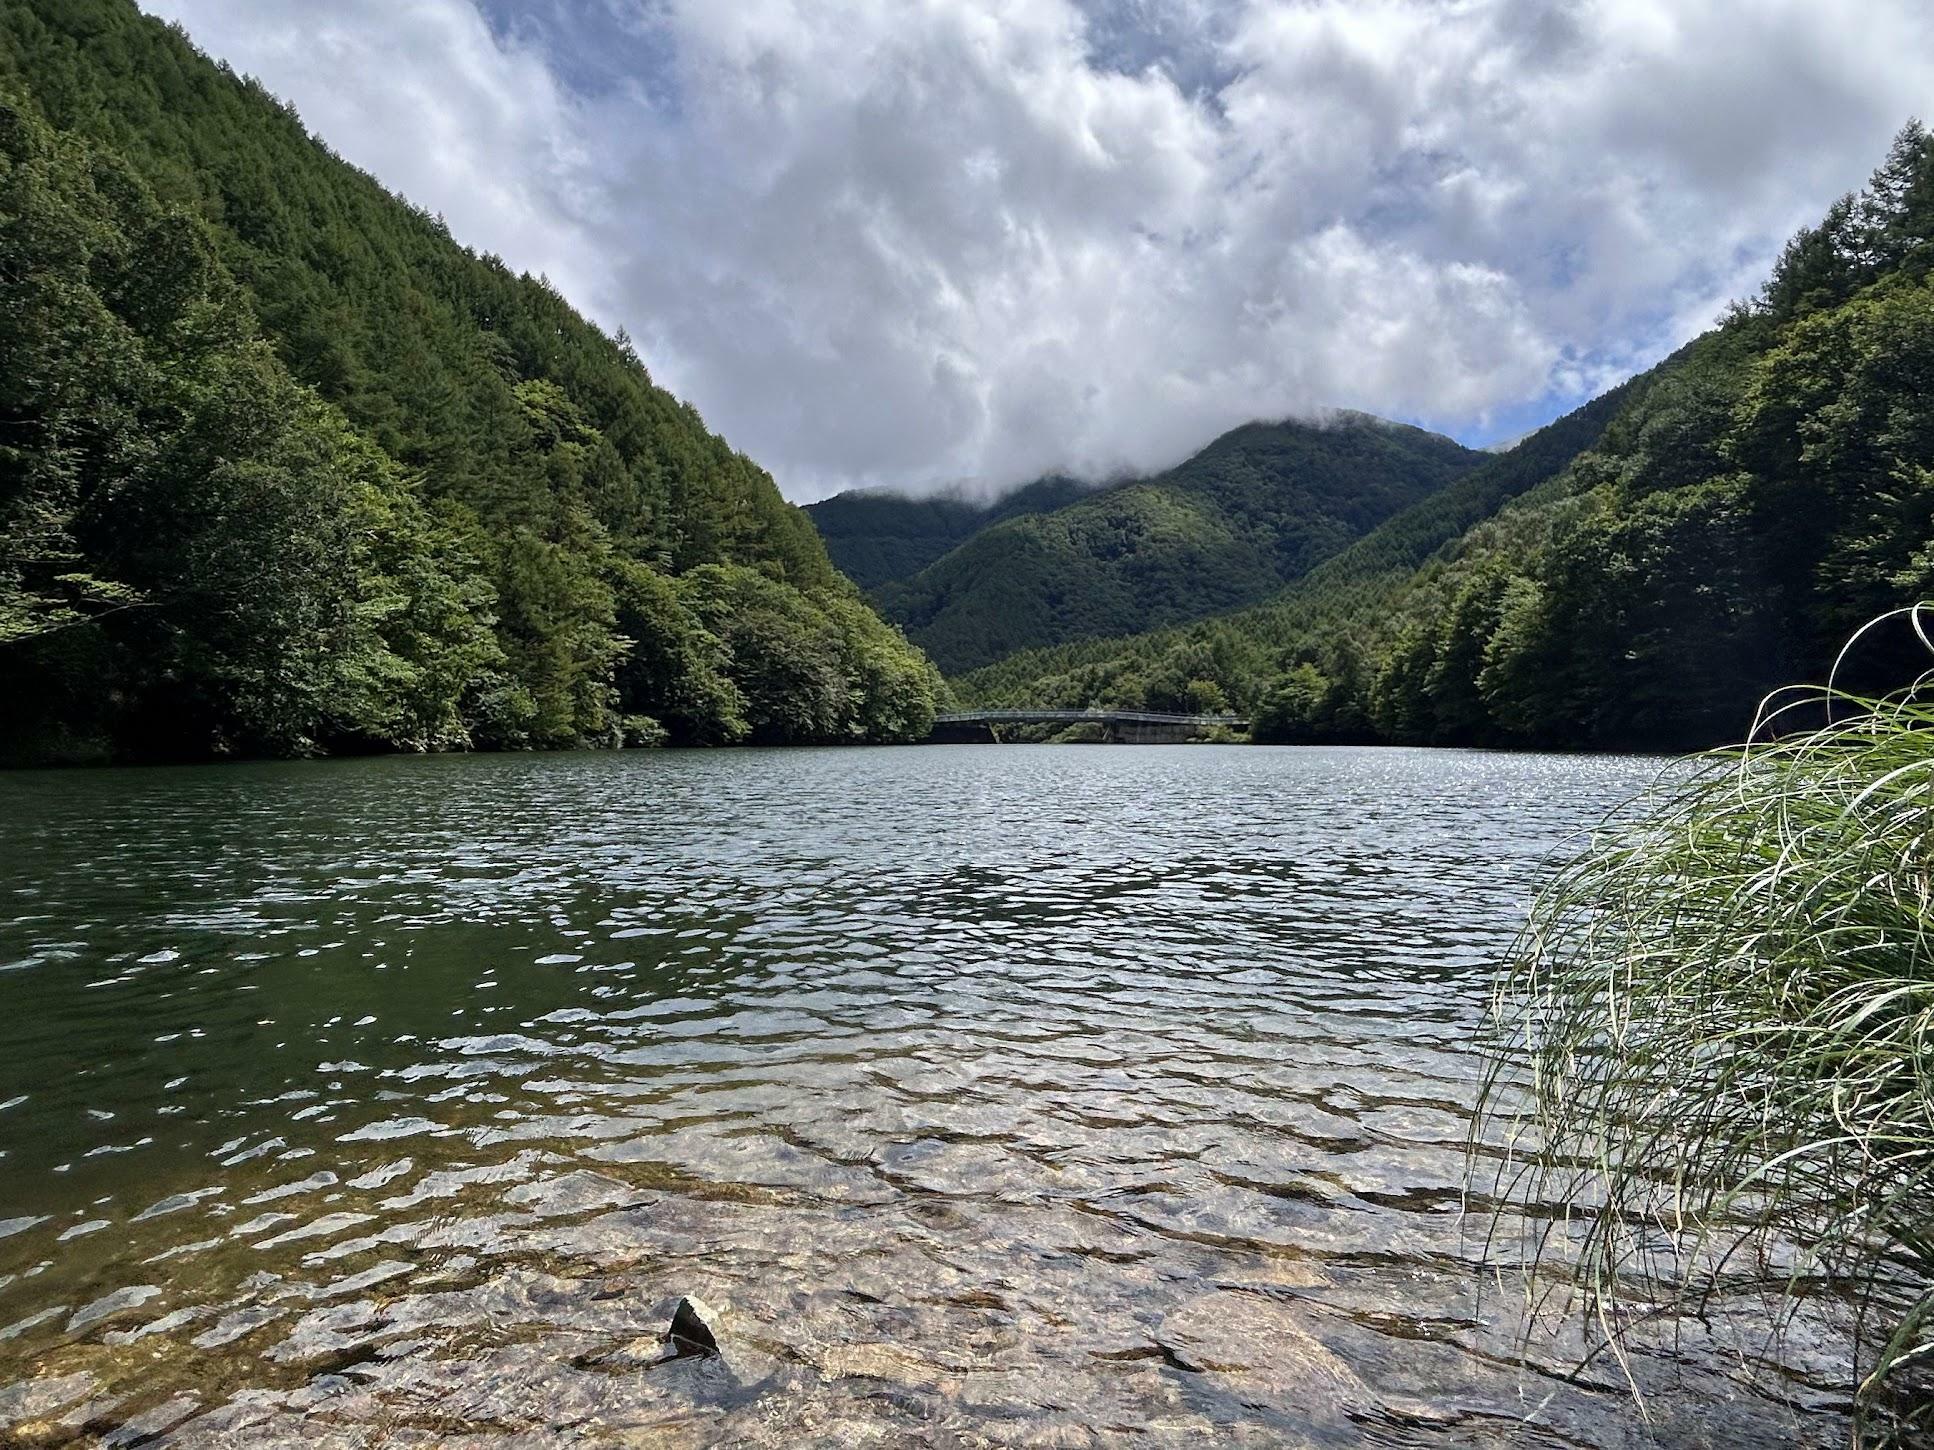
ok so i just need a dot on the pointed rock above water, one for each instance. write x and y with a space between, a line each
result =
693 1327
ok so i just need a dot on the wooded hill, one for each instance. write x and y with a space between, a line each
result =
285 468
880 536
1639 573
1258 507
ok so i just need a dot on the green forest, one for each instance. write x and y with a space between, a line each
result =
1258 507
1638 573
881 536
285 469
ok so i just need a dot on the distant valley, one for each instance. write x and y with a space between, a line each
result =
1056 562
1634 575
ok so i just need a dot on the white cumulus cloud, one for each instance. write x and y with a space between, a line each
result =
923 241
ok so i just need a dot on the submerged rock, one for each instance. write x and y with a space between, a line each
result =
692 1329
35 1399
880 1362
1261 1350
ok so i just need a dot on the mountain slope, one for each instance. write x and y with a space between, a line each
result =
1232 652
878 537
291 470
1259 506
1637 575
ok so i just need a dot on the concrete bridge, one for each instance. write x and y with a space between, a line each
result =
1124 727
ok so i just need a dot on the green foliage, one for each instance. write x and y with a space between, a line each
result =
877 537
1298 708
1727 1013
676 671
195 547
810 668
1636 573
284 469
1259 506
1323 618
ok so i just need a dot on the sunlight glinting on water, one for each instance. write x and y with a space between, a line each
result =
990 1095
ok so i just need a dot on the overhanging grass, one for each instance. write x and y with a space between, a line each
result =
1716 1045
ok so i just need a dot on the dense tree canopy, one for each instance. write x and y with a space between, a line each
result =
878 536
283 468
1637 574
1259 506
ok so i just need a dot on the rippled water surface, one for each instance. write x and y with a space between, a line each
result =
988 1095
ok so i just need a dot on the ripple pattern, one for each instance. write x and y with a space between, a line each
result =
992 1095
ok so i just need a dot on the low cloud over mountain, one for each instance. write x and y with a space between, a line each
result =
882 242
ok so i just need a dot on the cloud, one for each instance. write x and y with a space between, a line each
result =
438 106
920 241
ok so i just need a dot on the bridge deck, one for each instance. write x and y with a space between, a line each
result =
1071 717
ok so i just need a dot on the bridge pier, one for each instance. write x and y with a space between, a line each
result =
963 733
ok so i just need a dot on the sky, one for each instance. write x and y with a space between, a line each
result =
929 243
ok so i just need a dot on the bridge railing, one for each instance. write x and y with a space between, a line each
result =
1057 717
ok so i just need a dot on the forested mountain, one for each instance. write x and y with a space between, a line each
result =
285 468
876 536
1637 574
1259 506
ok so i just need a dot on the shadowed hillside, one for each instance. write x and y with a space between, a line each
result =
289 469
1258 507
877 536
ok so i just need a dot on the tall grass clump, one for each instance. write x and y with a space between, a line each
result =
1716 1044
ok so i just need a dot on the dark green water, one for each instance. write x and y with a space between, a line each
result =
992 1095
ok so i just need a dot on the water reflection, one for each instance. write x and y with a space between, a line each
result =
1004 1096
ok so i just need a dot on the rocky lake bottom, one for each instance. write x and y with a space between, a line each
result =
984 1096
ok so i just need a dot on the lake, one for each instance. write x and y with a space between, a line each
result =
987 1095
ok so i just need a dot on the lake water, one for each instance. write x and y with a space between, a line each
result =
988 1095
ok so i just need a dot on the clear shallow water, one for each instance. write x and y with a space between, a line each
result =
992 1095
